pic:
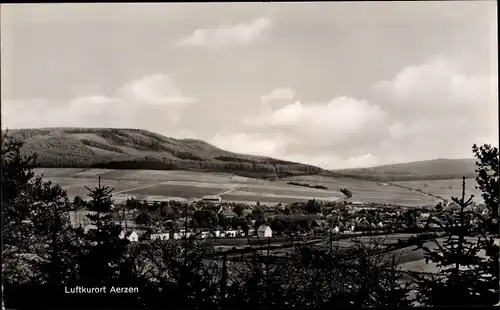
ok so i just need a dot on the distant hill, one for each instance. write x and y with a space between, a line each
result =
140 149
436 169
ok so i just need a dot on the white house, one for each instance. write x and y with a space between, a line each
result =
131 235
160 236
205 234
230 233
424 215
264 231
181 234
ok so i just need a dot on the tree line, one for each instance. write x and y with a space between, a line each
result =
44 256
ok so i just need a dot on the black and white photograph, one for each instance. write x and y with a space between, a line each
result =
267 154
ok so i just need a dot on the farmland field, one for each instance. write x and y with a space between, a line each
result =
176 191
57 172
367 191
446 188
188 184
289 190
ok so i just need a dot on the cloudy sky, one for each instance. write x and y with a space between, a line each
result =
332 84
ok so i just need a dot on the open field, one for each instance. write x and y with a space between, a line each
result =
176 191
446 188
367 191
161 185
278 189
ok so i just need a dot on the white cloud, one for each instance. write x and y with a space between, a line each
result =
226 35
437 84
432 110
275 146
438 109
339 121
155 97
154 89
328 134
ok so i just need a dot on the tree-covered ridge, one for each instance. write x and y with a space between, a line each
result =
140 149
437 169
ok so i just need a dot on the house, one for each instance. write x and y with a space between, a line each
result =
424 215
130 235
231 233
159 236
180 235
212 198
205 234
264 231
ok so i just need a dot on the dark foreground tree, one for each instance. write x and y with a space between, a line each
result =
102 253
489 183
38 241
466 256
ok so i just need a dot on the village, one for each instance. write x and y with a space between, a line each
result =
210 218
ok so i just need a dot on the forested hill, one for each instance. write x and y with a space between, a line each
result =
141 149
436 169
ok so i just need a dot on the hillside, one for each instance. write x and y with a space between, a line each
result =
140 149
436 169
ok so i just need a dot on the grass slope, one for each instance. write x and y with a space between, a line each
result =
436 169
111 148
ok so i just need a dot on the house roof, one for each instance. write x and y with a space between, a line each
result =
129 233
263 227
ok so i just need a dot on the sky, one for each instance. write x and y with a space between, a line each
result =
338 85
